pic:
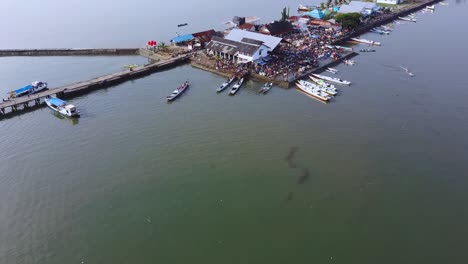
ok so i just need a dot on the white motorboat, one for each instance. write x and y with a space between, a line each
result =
380 31
226 84
330 91
62 107
33 88
236 86
315 93
331 79
349 62
408 72
365 41
431 7
444 3
322 83
409 19
331 70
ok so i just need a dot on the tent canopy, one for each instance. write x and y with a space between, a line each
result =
183 38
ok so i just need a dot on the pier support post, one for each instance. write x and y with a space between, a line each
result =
13 107
26 105
37 101
2 110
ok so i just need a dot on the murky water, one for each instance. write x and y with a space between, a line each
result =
376 176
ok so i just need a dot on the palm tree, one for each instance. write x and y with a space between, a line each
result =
162 45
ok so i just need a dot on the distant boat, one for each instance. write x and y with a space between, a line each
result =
182 25
62 107
35 87
365 41
444 3
178 91
380 31
367 50
408 72
331 70
236 86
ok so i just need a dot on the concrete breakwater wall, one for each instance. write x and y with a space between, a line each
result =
68 52
365 28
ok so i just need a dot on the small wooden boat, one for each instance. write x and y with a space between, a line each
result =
177 91
62 107
265 88
367 50
182 25
225 84
409 19
349 62
331 70
330 91
236 86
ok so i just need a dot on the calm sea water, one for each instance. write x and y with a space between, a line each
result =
376 176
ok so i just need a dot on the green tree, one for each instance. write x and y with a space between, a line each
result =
162 45
285 14
350 20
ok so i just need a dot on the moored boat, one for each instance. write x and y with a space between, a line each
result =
331 79
409 19
236 86
365 41
431 7
380 31
35 87
331 70
349 62
265 88
62 107
315 93
177 91
322 83
225 84
330 91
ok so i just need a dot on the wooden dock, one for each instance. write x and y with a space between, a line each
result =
27 102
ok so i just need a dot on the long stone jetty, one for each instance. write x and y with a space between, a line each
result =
15 105
68 52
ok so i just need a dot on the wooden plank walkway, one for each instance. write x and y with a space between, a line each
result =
84 86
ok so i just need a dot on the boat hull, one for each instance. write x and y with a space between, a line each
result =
313 95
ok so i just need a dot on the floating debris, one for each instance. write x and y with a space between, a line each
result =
305 175
290 157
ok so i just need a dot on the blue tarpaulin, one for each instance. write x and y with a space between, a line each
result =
315 14
23 90
336 9
57 102
182 38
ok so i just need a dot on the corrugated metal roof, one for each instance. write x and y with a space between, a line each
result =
269 41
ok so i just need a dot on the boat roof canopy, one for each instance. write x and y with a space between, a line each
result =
24 89
57 102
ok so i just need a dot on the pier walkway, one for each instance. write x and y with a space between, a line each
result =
25 102
68 52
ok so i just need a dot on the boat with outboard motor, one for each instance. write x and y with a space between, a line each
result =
179 90
62 107
265 88
407 71
236 86
365 41
331 79
33 88
226 84
315 93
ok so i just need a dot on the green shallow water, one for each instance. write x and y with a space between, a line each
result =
376 176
